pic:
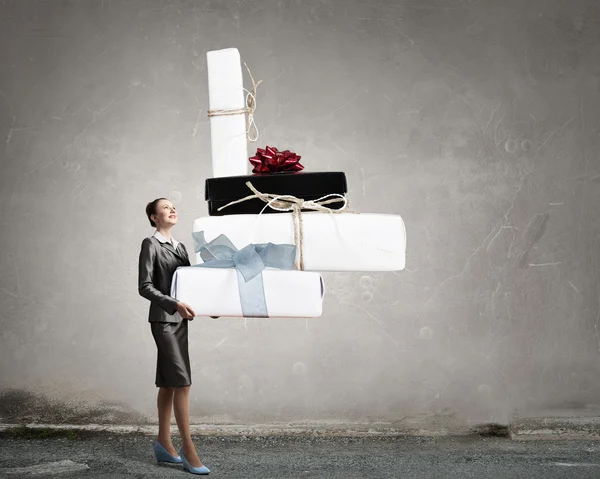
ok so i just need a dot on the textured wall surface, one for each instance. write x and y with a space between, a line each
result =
477 121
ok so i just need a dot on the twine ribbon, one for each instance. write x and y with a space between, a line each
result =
250 108
295 205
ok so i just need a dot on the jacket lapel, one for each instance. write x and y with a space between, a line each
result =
179 252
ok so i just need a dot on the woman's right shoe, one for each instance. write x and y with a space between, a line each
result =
162 455
188 467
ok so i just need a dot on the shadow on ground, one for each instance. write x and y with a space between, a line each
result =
20 406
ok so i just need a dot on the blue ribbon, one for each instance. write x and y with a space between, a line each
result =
249 263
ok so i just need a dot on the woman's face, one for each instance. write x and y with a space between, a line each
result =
165 215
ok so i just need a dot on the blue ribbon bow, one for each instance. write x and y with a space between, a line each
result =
249 263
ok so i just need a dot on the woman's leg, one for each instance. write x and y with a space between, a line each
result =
164 402
182 416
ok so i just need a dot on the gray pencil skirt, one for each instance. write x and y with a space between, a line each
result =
173 359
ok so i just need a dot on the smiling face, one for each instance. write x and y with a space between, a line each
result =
165 214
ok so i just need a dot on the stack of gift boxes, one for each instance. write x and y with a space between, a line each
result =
269 234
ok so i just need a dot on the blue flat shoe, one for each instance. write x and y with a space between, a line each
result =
162 455
194 470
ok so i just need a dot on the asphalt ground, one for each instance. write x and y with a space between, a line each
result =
117 456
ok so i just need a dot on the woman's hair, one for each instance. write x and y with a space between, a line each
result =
151 210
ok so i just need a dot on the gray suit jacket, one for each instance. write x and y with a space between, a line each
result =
158 261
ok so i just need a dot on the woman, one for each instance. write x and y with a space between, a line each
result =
160 256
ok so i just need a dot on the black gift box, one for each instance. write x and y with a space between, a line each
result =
307 186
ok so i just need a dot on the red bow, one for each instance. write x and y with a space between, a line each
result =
270 160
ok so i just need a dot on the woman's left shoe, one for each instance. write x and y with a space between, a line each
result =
162 455
194 470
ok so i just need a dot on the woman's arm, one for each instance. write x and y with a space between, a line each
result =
145 286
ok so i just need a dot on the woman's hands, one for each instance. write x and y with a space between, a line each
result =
185 310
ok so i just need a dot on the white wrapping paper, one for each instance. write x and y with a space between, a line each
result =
227 133
332 242
214 292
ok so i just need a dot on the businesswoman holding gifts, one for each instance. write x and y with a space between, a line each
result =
160 256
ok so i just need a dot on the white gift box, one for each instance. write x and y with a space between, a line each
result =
214 292
228 132
332 242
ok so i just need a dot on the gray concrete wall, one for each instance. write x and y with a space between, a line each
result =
477 121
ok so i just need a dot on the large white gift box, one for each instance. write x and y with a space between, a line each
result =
227 132
331 242
214 292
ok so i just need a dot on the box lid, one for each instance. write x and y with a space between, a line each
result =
299 184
